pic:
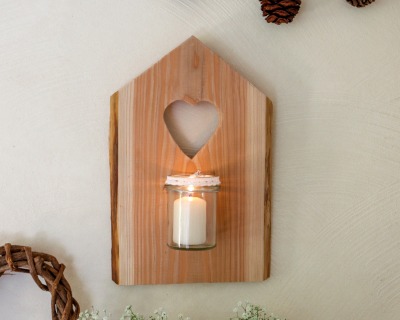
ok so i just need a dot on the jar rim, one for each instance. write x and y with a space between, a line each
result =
197 180
191 189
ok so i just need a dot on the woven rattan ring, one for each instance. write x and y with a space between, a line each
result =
46 267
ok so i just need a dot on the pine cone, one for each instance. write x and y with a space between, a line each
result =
359 3
281 11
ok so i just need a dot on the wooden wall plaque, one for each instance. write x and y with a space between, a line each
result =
143 153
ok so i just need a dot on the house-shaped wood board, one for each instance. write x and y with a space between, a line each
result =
143 153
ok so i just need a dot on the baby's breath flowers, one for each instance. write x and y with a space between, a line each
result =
249 311
128 314
243 311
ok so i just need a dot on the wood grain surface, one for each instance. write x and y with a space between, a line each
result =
143 153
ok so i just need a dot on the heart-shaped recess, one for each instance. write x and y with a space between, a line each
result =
191 126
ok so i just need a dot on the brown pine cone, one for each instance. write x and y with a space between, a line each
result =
359 3
280 11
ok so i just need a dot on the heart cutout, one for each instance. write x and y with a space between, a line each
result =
191 126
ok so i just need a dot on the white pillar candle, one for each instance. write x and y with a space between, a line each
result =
189 221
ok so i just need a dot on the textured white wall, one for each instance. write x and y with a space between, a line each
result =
334 77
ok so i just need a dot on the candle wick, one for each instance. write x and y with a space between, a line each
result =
196 174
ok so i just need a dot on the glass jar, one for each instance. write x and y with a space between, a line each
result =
192 206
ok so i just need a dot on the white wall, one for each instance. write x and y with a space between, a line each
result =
334 77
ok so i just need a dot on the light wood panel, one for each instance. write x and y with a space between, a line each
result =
142 154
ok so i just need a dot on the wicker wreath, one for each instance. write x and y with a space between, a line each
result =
22 259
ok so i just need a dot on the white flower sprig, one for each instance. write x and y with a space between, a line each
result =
94 315
129 314
159 314
249 311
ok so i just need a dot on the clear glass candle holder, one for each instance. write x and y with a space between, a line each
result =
192 206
